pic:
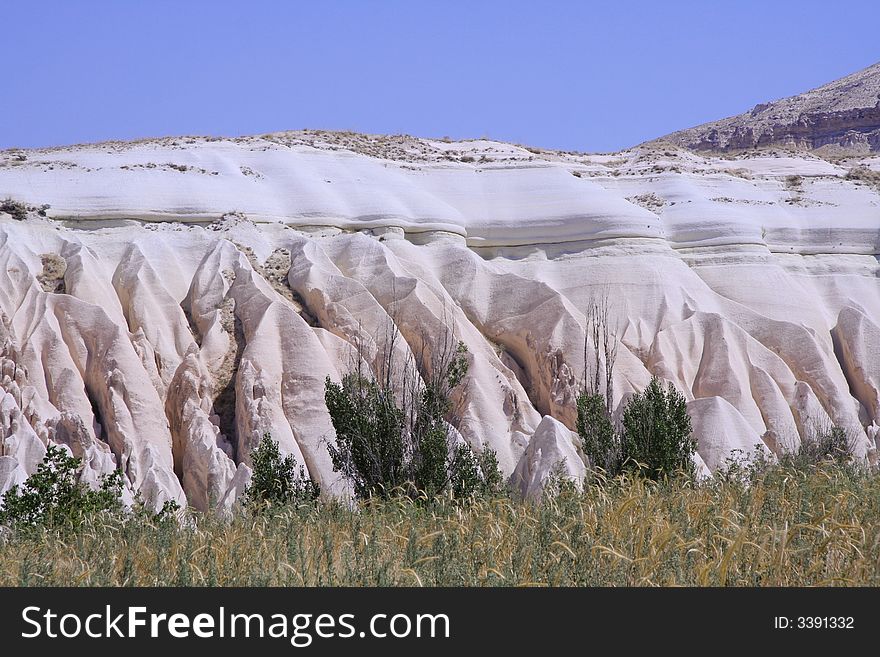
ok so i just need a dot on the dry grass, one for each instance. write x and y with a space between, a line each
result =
818 526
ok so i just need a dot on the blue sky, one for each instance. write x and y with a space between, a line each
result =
592 76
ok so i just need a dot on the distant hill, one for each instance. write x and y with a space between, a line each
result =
844 114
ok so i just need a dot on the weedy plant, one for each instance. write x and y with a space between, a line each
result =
15 209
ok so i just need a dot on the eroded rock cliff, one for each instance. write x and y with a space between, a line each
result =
181 297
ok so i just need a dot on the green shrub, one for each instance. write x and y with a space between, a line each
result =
655 439
369 449
275 481
392 434
476 475
599 440
53 496
657 436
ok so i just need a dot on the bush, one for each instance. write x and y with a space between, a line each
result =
19 211
392 434
53 496
276 481
792 182
476 475
863 174
369 449
657 436
595 404
822 444
15 209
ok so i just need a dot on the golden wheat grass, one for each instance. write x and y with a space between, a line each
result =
819 526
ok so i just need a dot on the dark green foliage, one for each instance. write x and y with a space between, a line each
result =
431 464
657 436
655 440
275 481
476 475
390 438
369 449
53 496
600 442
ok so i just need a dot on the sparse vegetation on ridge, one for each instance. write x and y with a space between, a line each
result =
864 175
19 211
15 209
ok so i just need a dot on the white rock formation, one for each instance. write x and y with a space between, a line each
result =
183 297
551 453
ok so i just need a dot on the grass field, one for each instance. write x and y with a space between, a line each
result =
789 526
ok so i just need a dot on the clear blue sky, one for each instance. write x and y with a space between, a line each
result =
584 75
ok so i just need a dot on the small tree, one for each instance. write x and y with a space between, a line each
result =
657 435
394 432
369 449
275 481
599 440
55 497
595 403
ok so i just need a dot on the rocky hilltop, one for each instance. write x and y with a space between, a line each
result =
842 115
164 303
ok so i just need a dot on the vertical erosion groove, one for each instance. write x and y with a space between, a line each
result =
225 376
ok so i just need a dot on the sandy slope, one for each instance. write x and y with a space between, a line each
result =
145 323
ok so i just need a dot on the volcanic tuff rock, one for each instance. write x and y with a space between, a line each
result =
843 114
552 452
181 297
